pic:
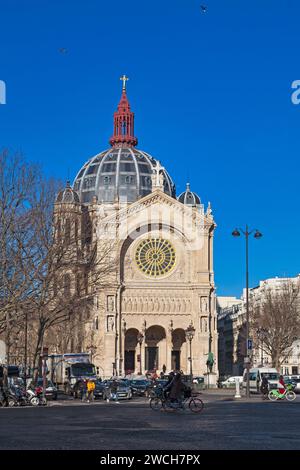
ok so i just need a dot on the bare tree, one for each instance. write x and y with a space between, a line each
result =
50 264
66 267
17 183
278 315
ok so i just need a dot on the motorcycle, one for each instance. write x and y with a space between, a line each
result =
35 396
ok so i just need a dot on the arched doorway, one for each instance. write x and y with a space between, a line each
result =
130 350
154 339
178 338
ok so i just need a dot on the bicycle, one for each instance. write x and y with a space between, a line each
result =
276 395
190 401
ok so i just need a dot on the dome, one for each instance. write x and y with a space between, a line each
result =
120 173
189 198
68 195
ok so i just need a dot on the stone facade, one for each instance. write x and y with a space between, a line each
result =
162 247
161 308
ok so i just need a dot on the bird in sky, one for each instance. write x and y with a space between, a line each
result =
203 8
63 50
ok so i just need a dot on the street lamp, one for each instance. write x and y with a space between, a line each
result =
189 334
140 338
257 234
25 348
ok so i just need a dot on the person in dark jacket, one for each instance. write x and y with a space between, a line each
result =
176 388
82 390
113 389
167 387
264 387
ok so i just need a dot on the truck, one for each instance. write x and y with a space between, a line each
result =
67 370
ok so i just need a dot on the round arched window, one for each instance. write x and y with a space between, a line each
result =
155 257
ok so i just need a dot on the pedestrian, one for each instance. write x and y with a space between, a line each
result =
83 389
90 390
264 387
113 390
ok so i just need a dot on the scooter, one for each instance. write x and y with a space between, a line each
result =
35 397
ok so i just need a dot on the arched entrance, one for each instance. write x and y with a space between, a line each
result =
154 353
130 350
178 338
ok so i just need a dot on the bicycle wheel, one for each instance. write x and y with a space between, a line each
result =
272 396
196 405
290 396
156 404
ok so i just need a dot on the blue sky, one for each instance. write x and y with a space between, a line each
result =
211 95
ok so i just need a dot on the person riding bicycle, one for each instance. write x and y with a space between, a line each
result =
281 386
176 387
167 387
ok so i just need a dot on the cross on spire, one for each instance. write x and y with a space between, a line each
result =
124 80
123 135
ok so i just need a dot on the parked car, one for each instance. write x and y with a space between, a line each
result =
231 382
199 382
124 391
291 382
158 384
295 380
51 390
140 387
99 389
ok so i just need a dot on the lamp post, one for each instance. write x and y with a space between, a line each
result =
189 334
25 348
140 338
257 234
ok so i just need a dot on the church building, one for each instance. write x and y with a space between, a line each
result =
158 312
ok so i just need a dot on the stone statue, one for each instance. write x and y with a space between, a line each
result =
110 323
204 305
111 303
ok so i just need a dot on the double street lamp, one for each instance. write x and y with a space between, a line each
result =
189 334
257 234
140 339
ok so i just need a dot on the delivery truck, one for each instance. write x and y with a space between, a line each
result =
68 370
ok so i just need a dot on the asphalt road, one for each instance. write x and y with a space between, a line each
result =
223 424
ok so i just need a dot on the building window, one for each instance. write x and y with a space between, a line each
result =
106 179
96 323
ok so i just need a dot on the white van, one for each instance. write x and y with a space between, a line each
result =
255 376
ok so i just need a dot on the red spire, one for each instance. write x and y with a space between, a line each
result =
123 122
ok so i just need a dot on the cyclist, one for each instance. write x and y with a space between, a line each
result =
167 387
176 388
281 387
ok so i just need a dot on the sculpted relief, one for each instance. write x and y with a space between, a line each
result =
156 304
204 304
